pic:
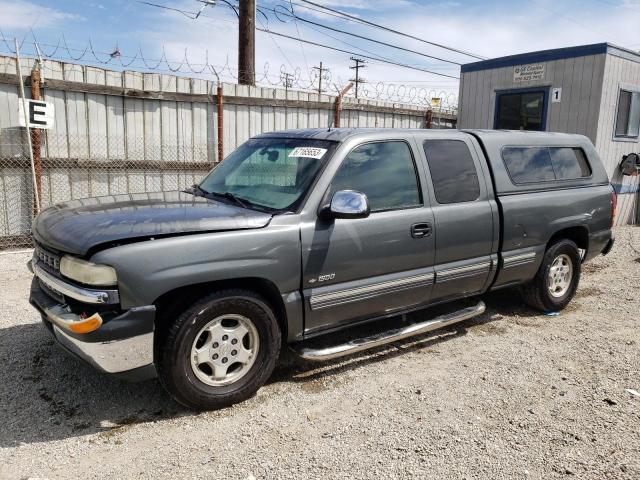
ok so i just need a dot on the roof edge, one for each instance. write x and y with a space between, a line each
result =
543 56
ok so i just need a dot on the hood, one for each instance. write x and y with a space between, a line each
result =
78 225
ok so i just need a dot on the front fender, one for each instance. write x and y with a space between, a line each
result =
146 270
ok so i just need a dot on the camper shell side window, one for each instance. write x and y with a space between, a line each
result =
539 164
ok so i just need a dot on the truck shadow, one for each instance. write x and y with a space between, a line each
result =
499 304
47 394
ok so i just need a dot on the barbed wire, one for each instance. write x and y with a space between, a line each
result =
375 91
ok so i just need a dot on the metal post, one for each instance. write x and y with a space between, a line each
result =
219 100
338 104
247 42
25 107
36 133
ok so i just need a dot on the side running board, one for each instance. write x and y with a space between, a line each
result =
390 336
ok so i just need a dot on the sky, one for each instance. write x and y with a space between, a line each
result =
491 28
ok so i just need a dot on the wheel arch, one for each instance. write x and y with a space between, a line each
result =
578 234
174 301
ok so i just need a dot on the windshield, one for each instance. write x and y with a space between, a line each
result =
269 173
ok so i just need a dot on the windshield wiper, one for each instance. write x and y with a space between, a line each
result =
242 202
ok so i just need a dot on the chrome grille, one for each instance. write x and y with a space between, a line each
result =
48 258
51 292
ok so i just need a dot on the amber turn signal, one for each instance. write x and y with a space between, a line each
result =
86 325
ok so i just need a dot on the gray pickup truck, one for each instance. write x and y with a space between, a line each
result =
299 234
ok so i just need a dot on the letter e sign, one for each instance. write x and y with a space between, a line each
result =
41 114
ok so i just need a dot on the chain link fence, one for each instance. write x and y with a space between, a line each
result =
80 166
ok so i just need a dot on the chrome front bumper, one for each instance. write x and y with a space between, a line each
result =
123 345
114 356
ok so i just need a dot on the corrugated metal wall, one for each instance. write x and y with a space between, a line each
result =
127 132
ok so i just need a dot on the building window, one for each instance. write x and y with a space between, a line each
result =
628 117
521 110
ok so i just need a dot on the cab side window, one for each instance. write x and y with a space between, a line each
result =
384 171
453 172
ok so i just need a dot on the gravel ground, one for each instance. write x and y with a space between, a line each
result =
510 394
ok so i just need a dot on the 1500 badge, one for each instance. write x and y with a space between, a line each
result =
323 278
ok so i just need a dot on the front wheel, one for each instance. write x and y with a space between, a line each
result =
557 279
220 351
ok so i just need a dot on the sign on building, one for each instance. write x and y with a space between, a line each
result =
40 114
528 73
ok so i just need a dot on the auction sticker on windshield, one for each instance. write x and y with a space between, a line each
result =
308 152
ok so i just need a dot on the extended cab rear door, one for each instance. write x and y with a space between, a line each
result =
465 214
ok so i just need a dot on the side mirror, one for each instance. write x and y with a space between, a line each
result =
348 204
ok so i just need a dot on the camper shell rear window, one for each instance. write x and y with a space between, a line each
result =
545 164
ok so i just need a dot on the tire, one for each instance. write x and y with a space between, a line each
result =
537 294
191 377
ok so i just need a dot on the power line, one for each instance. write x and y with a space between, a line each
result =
390 62
191 15
317 10
387 61
284 55
388 29
382 59
296 17
301 47
371 56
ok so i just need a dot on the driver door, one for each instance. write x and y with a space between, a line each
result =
361 268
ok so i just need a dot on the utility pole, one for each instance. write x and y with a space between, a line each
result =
287 80
247 42
320 77
359 63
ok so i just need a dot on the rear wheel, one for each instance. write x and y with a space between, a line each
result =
557 279
219 351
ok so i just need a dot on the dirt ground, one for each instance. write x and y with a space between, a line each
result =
510 394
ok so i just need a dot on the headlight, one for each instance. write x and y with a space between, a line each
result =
87 272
